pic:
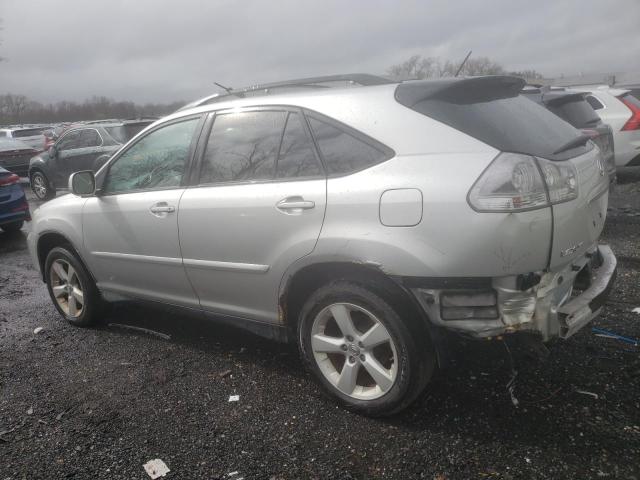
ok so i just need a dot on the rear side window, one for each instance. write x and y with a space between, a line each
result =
342 152
576 111
296 158
507 122
594 102
90 138
243 146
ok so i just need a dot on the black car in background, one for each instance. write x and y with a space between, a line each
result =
85 146
573 108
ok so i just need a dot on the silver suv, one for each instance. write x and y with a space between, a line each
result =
360 222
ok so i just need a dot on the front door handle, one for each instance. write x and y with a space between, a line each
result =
161 209
295 203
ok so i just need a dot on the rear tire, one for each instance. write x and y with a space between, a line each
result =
12 227
41 186
362 351
71 288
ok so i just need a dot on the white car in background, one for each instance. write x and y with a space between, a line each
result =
621 110
32 135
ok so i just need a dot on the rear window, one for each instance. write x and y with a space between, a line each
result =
576 111
506 121
30 132
124 133
628 97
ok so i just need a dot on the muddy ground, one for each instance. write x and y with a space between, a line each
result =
99 403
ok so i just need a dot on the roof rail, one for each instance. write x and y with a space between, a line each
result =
362 79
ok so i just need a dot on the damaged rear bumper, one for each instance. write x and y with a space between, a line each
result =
552 304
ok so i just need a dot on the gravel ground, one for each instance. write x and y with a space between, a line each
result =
99 403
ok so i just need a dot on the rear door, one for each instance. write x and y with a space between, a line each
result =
258 206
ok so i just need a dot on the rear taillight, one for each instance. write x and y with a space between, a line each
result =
9 180
515 183
634 122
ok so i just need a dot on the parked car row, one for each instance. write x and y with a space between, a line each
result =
361 223
84 146
616 107
573 107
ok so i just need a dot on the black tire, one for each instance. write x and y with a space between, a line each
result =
92 308
13 226
41 186
415 352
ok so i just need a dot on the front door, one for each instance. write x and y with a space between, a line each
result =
259 207
131 227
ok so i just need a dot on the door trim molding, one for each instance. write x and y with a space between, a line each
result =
228 266
188 262
139 258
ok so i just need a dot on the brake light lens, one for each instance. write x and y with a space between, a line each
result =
9 180
515 183
560 179
634 122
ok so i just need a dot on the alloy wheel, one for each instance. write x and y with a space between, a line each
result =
39 186
354 351
67 288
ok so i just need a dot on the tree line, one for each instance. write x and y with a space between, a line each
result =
17 109
419 67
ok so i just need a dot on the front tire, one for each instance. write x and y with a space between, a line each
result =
362 351
72 289
41 186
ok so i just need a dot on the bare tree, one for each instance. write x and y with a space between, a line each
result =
419 67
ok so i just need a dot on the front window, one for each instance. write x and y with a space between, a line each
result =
157 160
70 141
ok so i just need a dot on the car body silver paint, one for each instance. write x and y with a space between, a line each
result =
131 251
236 240
228 249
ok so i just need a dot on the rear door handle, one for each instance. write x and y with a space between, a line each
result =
160 209
295 203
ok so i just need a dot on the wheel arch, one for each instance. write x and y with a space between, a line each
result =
47 241
297 287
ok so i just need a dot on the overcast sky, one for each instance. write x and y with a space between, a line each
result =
165 50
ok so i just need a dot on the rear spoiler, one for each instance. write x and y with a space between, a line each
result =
459 90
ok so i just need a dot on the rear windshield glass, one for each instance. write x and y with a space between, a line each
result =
508 123
124 133
576 111
31 132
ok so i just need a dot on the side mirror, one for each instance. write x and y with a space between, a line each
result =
53 151
82 183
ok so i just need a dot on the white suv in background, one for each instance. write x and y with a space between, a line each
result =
621 110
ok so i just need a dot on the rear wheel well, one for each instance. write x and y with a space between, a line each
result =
308 279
